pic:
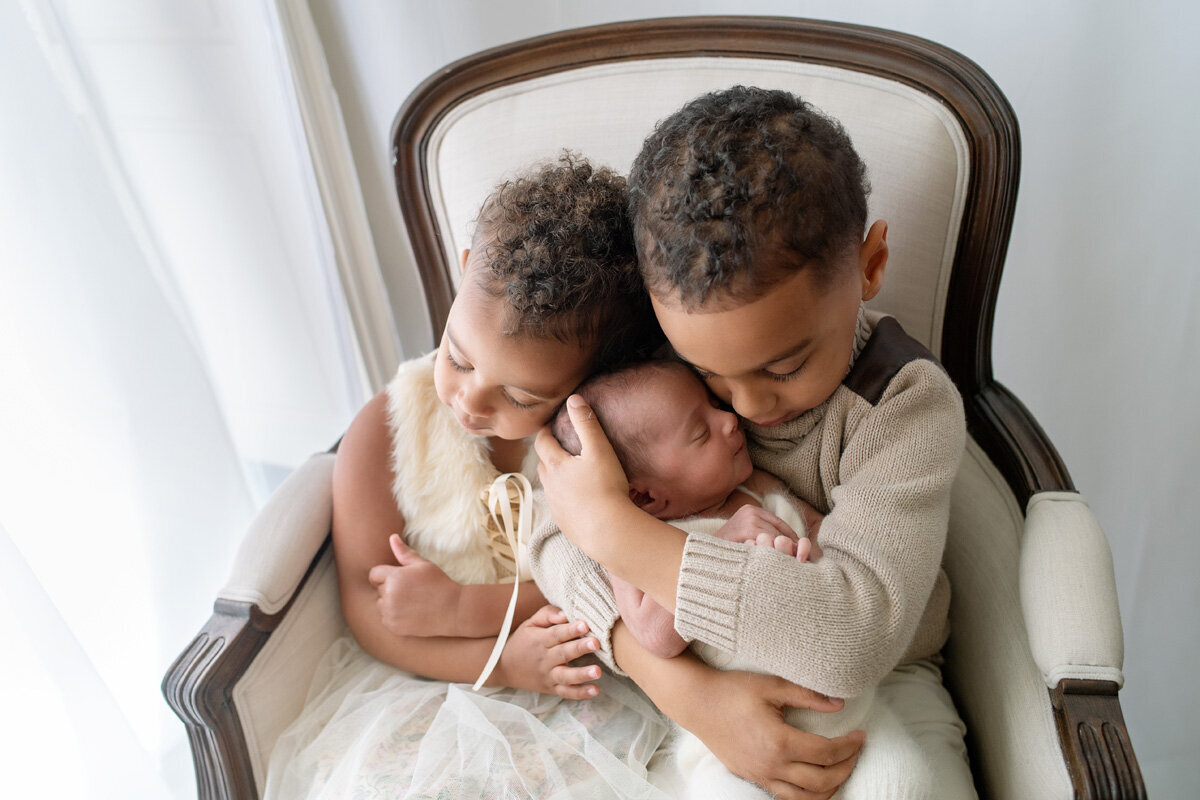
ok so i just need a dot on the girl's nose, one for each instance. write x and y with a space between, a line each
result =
473 402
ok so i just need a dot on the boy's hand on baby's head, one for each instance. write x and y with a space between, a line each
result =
580 488
537 656
415 598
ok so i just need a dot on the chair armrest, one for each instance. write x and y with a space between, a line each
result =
284 538
278 553
1068 592
1069 599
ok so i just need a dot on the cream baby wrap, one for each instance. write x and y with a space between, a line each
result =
370 730
891 765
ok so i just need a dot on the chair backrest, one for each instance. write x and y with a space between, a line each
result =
939 140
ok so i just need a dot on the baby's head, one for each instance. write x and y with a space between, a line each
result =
749 208
682 453
550 292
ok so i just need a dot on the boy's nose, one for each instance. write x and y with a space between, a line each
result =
751 403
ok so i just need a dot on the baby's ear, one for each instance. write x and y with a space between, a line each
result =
644 498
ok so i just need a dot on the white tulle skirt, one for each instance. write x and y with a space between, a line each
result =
369 730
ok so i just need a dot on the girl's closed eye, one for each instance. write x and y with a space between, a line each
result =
455 364
518 404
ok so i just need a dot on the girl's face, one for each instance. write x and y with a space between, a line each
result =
497 385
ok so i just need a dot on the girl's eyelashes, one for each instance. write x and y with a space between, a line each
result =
517 403
454 363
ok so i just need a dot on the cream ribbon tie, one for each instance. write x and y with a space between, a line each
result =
499 504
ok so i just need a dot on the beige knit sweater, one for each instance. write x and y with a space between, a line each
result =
878 457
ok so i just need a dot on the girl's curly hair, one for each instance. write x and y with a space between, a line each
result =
734 178
558 246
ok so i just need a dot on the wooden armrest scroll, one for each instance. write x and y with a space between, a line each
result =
1095 742
199 689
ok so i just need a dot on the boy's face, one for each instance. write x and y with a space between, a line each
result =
697 449
776 357
499 385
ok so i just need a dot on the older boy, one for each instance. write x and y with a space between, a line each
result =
749 209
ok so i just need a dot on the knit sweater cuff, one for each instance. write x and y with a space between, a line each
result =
707 600
595 605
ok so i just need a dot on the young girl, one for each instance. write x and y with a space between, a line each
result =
550 291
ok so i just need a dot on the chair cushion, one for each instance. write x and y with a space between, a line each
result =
989 667
915 151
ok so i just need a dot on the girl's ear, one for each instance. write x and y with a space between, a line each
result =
873 258
462 265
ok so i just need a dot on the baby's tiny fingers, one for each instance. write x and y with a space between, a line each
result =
785 545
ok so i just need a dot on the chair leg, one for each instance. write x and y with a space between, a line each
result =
1095 741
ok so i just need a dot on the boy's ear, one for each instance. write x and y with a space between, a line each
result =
462 265
873 258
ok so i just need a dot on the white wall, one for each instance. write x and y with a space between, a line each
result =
1095 328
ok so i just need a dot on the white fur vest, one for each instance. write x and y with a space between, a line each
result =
442 474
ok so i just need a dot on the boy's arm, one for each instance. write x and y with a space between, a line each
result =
882 542
364 516
651 624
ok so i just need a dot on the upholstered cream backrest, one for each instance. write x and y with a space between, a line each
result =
915 151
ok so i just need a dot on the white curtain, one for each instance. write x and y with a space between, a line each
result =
173 340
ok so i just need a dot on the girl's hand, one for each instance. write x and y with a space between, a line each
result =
581 490
415 598
537 656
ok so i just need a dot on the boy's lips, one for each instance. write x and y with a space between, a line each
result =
776 422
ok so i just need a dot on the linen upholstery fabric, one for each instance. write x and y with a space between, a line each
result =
1068 591
997 687
271 693
278 547
916 162
284 537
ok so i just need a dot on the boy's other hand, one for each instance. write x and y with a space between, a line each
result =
787 762
415 598
537 656
581 489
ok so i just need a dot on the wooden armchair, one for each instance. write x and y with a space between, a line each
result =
1034 659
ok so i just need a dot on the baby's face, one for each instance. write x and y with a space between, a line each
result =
697 449
498 385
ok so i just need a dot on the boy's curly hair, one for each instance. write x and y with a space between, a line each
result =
558 245
731 180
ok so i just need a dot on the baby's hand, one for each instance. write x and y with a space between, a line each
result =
759 526
537 656
415 598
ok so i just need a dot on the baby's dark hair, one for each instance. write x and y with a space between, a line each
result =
606 393
558 245
736 175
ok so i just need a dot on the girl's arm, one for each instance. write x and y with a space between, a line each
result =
364 517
